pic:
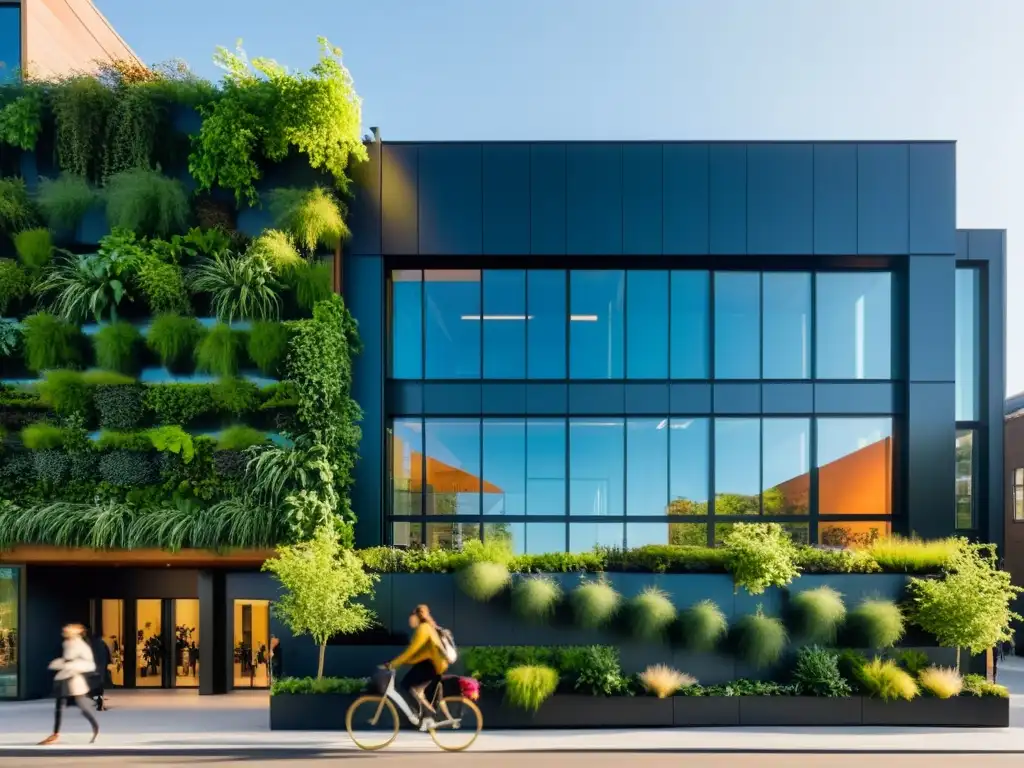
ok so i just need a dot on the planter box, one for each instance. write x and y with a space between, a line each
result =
574 711
705 711
958 712
799 710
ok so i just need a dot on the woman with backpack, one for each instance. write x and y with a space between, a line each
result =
428 657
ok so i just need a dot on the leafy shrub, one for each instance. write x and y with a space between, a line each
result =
703 626
977 685
482 581
528 687
230 463
66 392
34 248
50 342
17 466
171 438
116 347
162 285
663 681
147 202
15 284
651 613
876 623
814 560
594 603
51 467
267 346
65 200
119 406
313 217
592 669
218 351
138 442
662 558
21 120
84 466
178 403
882 679
90 284
902 555
535 598
851 666
760 639
240 287
760 555
235 396
10 336
348 686
913 661
941 682
238 438
742 688
817 673
16 211
43 437
173 339
818 613
313 283
126 468
278 249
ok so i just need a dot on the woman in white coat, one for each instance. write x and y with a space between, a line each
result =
75 663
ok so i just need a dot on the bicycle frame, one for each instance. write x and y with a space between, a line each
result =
400 702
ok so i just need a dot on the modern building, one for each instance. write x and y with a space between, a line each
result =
1013 437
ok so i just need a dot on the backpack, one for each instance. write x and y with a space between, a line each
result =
448 648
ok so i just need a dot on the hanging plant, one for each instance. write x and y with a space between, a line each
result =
131 130
80 108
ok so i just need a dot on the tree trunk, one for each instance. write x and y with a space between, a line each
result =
957 659
323 650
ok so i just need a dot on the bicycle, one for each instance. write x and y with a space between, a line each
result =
455 709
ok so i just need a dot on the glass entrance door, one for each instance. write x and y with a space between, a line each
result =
252 644
186 643
9 602
150 644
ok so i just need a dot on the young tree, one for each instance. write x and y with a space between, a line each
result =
969 607
320 581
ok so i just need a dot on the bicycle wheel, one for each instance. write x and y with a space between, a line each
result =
468 722
375 719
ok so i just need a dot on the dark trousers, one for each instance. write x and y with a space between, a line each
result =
421 674
83 706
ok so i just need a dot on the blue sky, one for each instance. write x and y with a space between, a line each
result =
657 69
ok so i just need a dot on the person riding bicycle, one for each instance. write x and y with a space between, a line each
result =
426 659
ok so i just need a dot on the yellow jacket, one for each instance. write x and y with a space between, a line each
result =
425 645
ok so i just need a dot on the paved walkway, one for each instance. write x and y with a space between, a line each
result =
180 722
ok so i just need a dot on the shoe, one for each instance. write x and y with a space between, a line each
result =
427 724
51 739
95 734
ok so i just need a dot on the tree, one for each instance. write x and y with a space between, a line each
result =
969 607
320 582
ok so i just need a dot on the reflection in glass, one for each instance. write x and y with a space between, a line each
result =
647 324
112 629
251 644
965 480
1018 494
785 466
9 625
737 466
853 326
504 467
406 437
149 644
546 329
451 535
798 532
596 466
545 467
186 644
407 324
452 318
852 534
646 466
786 342
967 343
528 538
689 448
10 42
453 467
737 325
855 466
676 534
585 537
596 332
504 323
408 535
690 325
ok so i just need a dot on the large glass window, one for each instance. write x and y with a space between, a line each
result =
647 324
252 632
853 331
786 346
786 466
689 449
10 42
855 466
9 626
853 534
504 485
646 467
451 535
452 319
453 467
585 537
545 466
546 328
504 323
596 467
965 520
1018 494
407 324
737 325
737 466
690 325
596 333
406 439
967 343
527 538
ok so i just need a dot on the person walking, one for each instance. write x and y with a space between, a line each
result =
99 679
276 659
72 668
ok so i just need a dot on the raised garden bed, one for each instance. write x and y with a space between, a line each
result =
326 712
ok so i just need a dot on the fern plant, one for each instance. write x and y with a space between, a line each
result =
172 338
240 287
218 351
65 200
34 248
147 202
116 346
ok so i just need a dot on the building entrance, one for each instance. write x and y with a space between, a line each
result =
153 643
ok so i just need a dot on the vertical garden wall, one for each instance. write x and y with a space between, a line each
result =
175 368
